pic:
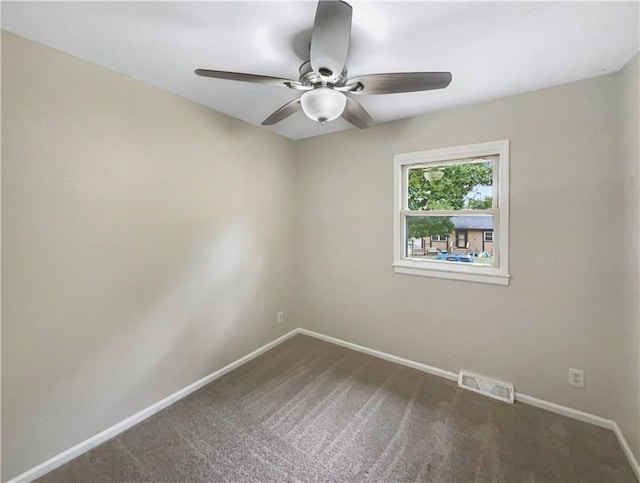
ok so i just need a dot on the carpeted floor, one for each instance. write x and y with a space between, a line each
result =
312 411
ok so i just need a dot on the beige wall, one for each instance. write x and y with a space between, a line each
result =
630 335
146 243
564 308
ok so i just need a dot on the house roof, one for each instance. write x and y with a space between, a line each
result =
473 222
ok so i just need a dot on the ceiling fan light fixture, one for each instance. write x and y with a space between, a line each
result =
434 175
323 104
323 75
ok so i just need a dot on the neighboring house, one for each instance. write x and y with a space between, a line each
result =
473 234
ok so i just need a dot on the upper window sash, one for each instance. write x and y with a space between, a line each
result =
409 165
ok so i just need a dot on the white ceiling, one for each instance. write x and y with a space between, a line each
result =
493 49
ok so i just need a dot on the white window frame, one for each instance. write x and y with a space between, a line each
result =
484 236
495 274
441 238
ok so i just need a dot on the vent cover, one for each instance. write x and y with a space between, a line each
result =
500 390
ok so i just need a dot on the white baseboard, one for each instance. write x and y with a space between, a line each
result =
523 398
62 458
627 449
587 418
383 355
118 428
564 410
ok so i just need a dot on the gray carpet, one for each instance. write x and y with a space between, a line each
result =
312 411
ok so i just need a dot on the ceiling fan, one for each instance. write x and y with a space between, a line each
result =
326 90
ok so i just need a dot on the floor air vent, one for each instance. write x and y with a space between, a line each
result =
500 390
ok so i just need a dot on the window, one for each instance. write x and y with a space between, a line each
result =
458 195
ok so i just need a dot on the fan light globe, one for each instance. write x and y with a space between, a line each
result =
323 104
433 175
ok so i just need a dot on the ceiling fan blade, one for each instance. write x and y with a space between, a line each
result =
237 76
330 37
400 82
283 113
356 114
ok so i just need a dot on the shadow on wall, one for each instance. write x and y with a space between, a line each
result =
186 332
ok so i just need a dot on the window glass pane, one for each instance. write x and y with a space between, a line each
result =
462 186
459 239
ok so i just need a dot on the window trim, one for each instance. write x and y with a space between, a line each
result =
446 238
499 274
484 236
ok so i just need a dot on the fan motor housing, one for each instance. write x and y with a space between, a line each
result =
325 77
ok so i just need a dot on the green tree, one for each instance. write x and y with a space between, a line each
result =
424 226
483 204
449 192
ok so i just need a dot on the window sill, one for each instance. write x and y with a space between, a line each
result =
471 274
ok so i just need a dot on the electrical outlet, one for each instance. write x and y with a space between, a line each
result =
280 318
576 377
